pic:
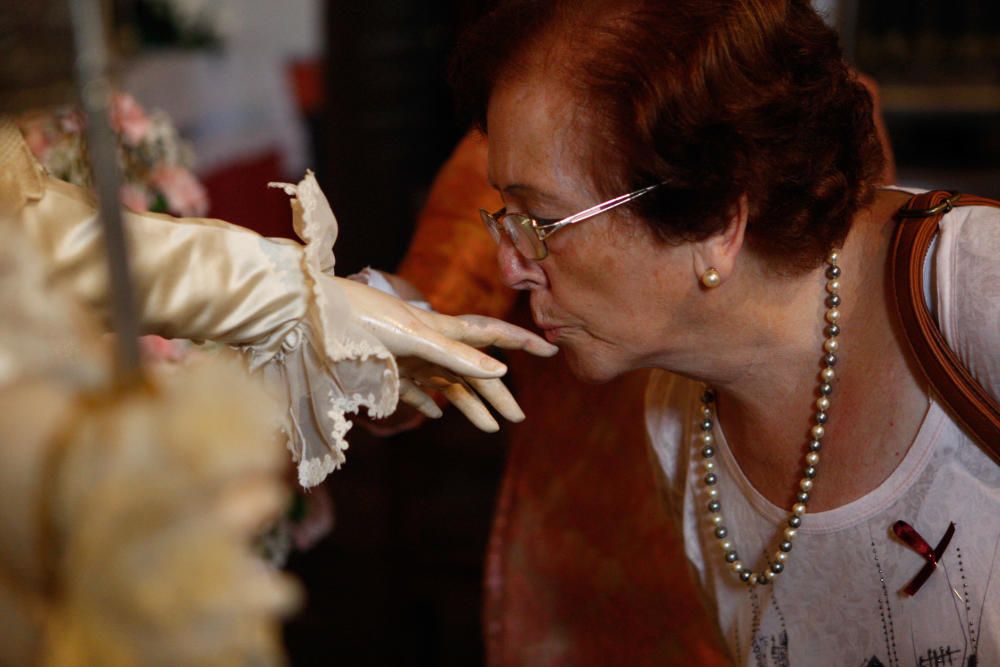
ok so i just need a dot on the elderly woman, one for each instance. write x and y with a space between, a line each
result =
690 186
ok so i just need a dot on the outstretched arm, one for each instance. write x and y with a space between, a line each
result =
333 344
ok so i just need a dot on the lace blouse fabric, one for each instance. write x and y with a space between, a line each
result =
838 601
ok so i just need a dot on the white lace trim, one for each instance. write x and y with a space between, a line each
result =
338 341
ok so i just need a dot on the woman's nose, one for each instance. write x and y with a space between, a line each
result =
516 270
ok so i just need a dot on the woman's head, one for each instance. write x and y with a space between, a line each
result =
742 109
714 99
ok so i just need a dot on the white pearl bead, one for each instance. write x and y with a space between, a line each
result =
770 574
709 465
833 257
706 412
831 345
798 509
812 458
823 403
806 484
707 438
726 545
827 374
818 432
833 315
715 520
737 566
780 556
790 534
832 286
713 494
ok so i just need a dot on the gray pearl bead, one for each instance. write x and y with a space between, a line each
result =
777 568
785 546
708 396
762 580
721 532
714 506
826 389
706 425
830 359
711 479
815 446
833 301
731 557
821 418
810 472
708 451
745 576
802 497
794 521
833 330
832 272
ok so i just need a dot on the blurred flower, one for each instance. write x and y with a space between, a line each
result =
158 349
135 197
316 520
129 119
155 161
184 194
36 137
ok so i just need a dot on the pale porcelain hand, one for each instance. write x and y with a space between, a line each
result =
436 351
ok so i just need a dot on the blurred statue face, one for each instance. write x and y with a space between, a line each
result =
609 293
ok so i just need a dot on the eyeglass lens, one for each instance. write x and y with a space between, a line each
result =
519 229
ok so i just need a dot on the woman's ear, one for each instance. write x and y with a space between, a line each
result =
720 250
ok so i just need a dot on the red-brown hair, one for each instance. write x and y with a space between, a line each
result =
713 98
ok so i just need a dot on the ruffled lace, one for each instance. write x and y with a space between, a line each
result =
329 364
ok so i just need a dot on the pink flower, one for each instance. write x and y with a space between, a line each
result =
135 197
157 349
36 137
318 520
184 194
129 119
70 121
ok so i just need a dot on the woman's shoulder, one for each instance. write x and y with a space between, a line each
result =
967 268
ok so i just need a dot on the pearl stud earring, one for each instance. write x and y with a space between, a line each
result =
711 278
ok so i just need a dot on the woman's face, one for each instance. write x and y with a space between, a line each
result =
609 293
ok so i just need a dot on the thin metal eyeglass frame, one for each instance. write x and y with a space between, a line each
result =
545 231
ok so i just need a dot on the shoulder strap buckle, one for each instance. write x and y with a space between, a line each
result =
943 207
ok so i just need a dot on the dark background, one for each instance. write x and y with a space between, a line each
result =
398 582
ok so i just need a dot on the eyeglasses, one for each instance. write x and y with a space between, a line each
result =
528 234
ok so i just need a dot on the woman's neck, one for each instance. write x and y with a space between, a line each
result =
765 363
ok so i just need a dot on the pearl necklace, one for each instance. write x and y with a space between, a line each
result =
776 565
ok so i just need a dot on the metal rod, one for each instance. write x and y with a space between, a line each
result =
102 147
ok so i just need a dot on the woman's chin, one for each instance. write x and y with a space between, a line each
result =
591 368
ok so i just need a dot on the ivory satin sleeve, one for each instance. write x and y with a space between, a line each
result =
194 278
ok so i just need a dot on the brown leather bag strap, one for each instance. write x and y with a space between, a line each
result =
968 401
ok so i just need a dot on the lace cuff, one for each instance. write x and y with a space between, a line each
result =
329 365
